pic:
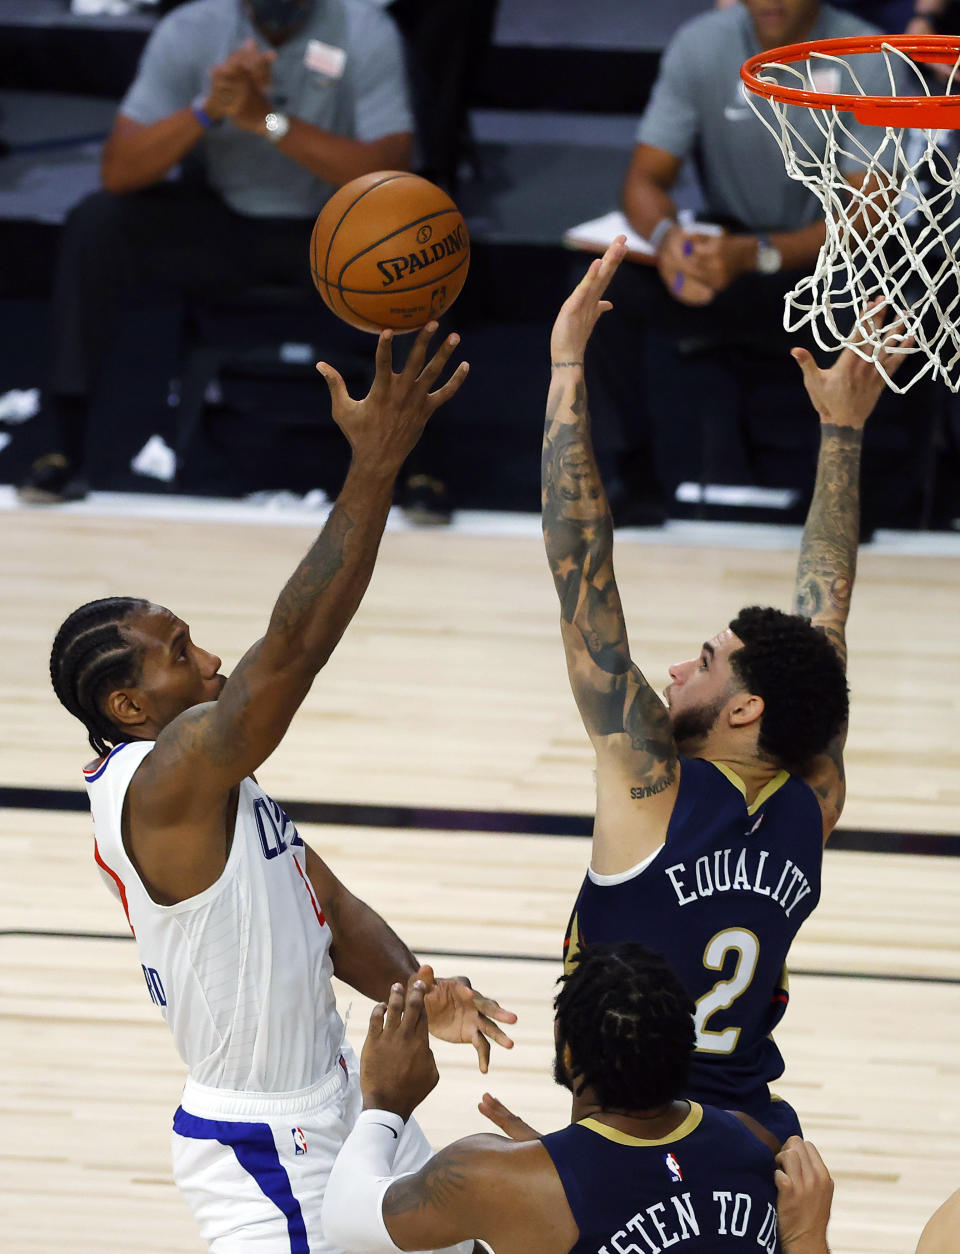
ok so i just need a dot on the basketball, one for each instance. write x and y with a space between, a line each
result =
389 249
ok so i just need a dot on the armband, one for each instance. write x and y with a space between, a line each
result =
352 1214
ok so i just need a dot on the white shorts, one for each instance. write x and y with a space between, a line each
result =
253 1167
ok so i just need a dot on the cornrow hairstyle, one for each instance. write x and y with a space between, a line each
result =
796 670
629 1024
90 658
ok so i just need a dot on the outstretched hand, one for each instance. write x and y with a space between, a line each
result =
510 1125
846 394
397 1067
579 312
385 425
458 1013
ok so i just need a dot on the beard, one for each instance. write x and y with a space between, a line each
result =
559 1071
694 725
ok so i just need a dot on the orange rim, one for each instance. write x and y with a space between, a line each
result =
922 112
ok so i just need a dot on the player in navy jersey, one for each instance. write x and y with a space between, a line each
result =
636 1171
712 808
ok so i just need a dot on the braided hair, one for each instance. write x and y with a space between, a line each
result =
91 656
628 1022
796 670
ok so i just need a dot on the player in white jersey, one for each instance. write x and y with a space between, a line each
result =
239 924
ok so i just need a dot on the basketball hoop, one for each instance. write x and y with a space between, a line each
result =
890 194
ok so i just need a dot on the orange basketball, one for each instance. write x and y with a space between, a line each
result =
389 249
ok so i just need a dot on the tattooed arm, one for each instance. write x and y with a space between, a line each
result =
504 1192
828 552
637 768
844 397
181 790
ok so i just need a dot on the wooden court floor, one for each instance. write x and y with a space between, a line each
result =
449 694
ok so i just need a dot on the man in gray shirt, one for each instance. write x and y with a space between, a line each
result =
708 290
269 105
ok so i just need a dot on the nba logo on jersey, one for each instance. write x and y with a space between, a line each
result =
299 1141
676 1175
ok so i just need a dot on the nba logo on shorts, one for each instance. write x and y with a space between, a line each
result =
676 1175
299 1141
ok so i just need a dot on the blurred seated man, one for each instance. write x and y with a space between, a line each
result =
892 16
662 352
271 104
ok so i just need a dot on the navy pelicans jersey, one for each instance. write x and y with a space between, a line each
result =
240 972
707 1187
722 900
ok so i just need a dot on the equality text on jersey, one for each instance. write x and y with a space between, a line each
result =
782 880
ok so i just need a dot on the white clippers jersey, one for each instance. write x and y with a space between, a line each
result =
241 972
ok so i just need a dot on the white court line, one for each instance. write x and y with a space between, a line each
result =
679 533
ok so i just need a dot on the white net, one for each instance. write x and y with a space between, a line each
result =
891 200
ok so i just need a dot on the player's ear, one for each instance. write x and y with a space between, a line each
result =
124 708
744 709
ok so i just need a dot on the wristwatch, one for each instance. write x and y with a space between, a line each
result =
277 125
769 259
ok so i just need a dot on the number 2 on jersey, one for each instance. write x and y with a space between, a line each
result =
725 992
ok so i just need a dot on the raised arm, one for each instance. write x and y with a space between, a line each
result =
178 795
637 770
844 397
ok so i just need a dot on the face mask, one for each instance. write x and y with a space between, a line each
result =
278 18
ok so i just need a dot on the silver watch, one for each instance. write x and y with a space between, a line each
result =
769 259
277 125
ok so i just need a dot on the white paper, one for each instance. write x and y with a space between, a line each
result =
156 460
599 232
275 499
102 8
19 405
